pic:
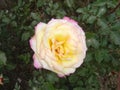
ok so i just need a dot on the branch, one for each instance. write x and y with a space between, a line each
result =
114 9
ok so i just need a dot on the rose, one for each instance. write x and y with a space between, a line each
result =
59 46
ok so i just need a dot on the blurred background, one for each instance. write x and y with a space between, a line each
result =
100 19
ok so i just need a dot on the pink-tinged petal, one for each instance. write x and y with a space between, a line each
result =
70 20
37 64
32 42
40 26
61 75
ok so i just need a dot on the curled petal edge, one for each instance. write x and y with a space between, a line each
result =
36 64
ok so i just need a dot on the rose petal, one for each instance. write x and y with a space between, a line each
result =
39 33
61 75
56 66
33 43
61 70
68 71
45 65
40 26
37 64
70 20
80 61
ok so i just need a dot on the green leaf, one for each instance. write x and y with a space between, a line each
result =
103 24
25 58
85 17
56 6
6 20
116 26
89 57
100 3
20 3
40 3
52 78
48 86
17 87
110 4
90 35
93 42
14 23
10 66
25 36
104 41
60 13
70 3
83 71
91 19
3 58
73 79
35 16
80 10
115 38
91 79
101 55
101 11
34 23
118 12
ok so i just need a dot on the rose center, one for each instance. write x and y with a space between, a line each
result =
57 47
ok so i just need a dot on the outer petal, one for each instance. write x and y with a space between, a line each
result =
57 67
32 42
36 39
80 61
81 44
37 64
54 24
40 26
39 33
68 71
70 20
61 71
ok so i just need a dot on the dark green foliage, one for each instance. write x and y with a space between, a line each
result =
100 19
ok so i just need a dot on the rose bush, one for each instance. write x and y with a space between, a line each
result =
59 46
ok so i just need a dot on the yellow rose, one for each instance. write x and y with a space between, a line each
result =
59 46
